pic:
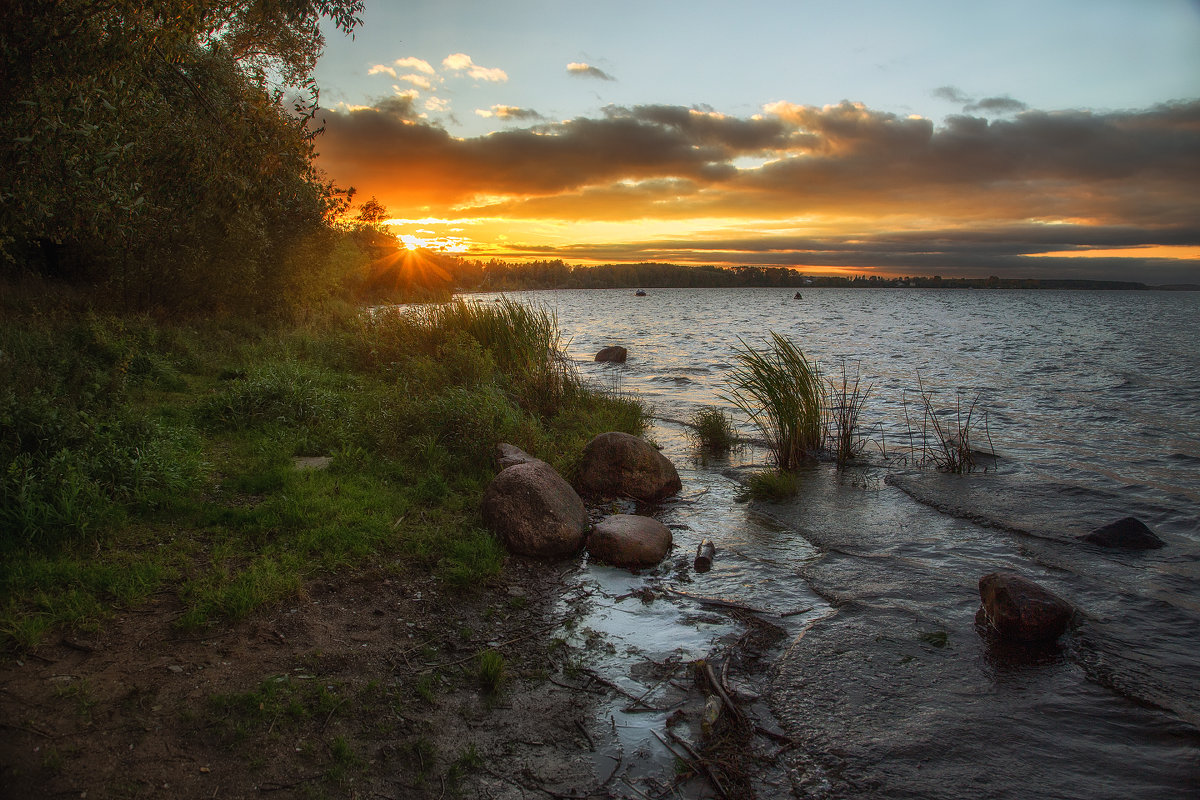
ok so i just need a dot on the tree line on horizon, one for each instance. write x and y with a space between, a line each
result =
496 275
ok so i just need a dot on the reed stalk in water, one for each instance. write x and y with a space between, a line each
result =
712 430
845 402
946 433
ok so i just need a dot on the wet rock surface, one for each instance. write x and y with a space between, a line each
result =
534 511
614 354
628 540
1018 609
617 464
1129 533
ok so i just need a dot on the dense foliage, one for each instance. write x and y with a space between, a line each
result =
161 152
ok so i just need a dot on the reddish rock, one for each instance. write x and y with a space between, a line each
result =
534 511
627 540
615 353
616 464
1018 609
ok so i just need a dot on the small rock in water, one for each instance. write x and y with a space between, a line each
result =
614 353
1129 533
1018 609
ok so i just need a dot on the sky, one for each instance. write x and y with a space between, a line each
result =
1058 138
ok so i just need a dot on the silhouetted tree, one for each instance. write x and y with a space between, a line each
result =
163 149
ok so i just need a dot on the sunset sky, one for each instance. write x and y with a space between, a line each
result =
1021 139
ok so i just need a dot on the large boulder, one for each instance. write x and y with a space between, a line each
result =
1019 610
1129 533
626 540
534 511
616 464
613 353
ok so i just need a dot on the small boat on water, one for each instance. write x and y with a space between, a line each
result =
640 293
796 296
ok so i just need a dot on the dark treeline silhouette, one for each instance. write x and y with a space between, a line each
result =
455 273
498 275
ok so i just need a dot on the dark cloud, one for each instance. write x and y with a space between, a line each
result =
588 71
988 186
952 94
996 105
1010 253
510 112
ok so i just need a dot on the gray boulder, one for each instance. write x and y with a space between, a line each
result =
626 540
534 511
616 464
1019 610
1129 533
615 353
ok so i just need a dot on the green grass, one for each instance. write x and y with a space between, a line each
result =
139 457
490 670
782 393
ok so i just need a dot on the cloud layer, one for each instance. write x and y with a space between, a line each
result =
840 186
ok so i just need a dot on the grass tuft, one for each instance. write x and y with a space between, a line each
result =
490 670
945 434
781 391
712 430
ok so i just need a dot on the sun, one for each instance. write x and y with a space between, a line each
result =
411 242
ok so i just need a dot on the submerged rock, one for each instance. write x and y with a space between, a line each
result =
1130 533
1017 609
534 511
627 540
616 464
614 353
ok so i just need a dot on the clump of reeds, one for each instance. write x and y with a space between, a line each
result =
844 404
523 341
781 391
946 432
712 430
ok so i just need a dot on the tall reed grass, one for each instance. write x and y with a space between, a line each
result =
781 391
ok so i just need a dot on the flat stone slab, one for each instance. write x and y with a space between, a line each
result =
312 462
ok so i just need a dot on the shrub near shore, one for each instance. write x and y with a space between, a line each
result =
138 457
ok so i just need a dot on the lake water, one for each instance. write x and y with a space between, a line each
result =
1092 402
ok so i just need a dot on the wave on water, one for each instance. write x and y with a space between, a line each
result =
1139 621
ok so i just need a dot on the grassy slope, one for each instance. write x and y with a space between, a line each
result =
139 458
